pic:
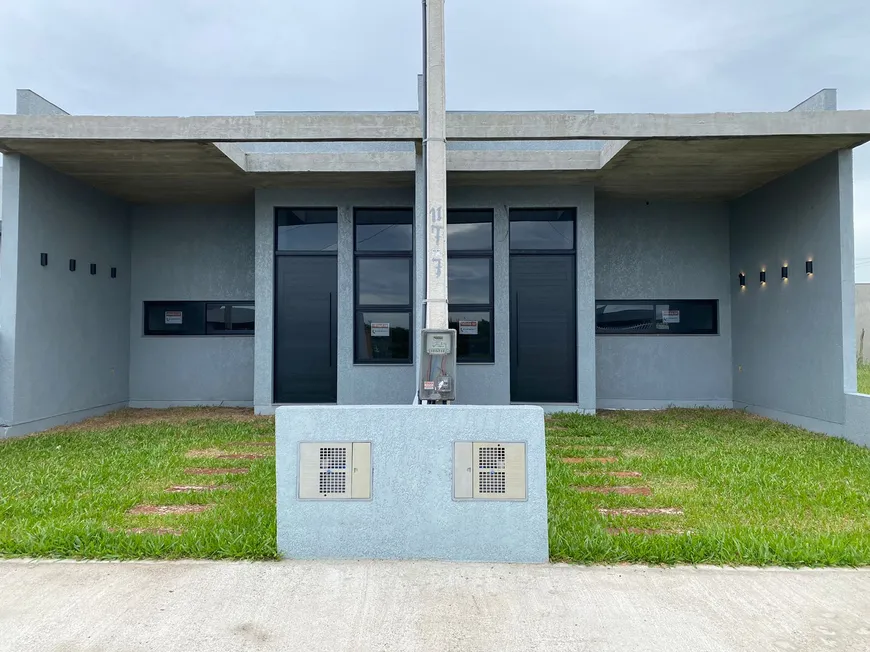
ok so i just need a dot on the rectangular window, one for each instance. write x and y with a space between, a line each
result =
542 229
199 317
306 229
657 317
384 230
229 318
383 245
384 336
470 283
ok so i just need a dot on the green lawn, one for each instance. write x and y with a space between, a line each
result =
751 491
66 493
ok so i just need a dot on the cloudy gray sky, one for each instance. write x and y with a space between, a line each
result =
194 57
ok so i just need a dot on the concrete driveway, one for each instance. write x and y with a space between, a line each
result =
426 606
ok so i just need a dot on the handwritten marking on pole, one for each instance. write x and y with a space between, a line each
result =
438 262
436 230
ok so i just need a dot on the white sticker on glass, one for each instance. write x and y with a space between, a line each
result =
670 316
172 317
468 328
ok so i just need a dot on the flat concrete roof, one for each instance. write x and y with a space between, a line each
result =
717 156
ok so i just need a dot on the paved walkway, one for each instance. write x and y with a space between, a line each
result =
336 606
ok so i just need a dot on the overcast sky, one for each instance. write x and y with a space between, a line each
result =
210 57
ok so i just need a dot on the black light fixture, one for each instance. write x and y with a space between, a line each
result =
93 268
785 272
809 267
43 259
72 264
742 278
114 272
763 276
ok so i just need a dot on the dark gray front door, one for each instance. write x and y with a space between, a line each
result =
306 290
543 329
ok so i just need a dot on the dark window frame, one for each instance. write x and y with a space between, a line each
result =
199 329
228 318
302 252
476 307
714 332
359 308
572 211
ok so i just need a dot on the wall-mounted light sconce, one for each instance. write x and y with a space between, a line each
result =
93 268
785 272
742 278
43 259
762 277
114 272
809 267
72 264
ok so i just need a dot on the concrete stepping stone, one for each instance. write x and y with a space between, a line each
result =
583 460
217 454
622 491
207 453
612 474
176 532
218 471
641 511
184 489
614 531
166 510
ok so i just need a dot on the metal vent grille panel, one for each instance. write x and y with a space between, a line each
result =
325 470
333 457
492 482
498 471
333 482
491 457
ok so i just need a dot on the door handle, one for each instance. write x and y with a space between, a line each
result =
515 326
331 325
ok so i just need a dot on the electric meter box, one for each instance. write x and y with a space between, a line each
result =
438 365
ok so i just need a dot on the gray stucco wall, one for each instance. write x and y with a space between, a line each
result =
196 253
862 319
857 412
481 384
663 250
412 513
357 384
794 342
65 334
395 384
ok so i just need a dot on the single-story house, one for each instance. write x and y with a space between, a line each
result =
595 261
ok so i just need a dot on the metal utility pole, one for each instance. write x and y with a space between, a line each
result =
435 155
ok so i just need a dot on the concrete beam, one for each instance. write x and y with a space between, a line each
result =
460 126
277 128
636 126
457 161
232 152
610 150
824 100
481 160
331 162
29 103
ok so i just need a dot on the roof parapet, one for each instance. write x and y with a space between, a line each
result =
29 103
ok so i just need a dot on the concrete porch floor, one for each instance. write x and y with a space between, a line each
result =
364 605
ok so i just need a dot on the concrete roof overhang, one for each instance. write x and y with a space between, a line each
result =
695 157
